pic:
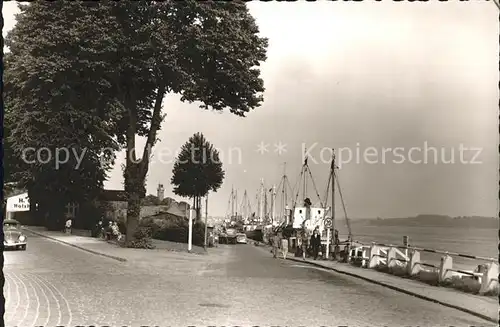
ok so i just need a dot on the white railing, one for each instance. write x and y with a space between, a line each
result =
389 255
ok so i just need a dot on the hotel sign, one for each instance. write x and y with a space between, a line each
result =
19 202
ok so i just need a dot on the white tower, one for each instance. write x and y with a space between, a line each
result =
160 192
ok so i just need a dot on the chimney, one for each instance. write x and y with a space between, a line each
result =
160 192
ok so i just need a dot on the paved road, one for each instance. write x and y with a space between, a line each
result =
52 284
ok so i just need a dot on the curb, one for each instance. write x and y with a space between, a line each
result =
402 290
76 246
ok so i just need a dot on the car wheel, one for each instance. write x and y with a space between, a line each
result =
23 247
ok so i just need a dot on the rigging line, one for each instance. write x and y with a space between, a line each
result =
281 182
328 189
343 204
297 184
315 188
242 202
497 3
245 203
249 206
228 206
290 187
298 187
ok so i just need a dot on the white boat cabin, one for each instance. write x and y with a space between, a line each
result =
316 219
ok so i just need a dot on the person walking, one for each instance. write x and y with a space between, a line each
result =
284 246
315 243
275 243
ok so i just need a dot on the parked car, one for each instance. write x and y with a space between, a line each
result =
14 237
241 238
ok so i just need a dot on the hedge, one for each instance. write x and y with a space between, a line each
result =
174 229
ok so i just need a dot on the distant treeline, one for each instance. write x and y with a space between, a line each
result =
436 221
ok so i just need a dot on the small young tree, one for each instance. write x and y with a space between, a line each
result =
197 170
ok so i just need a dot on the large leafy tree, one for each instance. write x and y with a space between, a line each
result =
197 170
48 106
124 57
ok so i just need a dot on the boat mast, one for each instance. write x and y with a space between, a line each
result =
273 205
305 179
266 212
232 202
236 204
243 207
257 197
283 193
262 200
332 170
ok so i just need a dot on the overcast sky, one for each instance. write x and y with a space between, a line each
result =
360 75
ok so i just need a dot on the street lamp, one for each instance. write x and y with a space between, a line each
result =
190 230
206 219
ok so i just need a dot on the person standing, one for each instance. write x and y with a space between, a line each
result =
109 230
68 225
284 246
315 243
305 242
98 229
115 230
275 243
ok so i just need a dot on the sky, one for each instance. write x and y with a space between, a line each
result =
365 77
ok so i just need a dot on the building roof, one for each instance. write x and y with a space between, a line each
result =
113 195
174 210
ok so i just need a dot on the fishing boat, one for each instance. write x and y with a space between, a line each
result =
298 214
234 226
308 216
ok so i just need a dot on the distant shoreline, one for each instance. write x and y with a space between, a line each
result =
434 221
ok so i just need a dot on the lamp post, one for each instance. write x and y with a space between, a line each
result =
190 234
206 220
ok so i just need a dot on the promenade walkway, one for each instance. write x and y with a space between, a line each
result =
485 307
113 251
482 306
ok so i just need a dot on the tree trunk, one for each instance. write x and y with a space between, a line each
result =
198 208
134 186
133 182
133 216
136 170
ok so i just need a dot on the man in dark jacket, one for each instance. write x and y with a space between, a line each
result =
315 243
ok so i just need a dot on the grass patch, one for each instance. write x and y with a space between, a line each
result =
394 270
427 277
468 285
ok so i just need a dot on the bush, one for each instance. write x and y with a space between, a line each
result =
142 239
174 229
199 233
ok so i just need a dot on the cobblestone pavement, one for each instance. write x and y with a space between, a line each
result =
52 284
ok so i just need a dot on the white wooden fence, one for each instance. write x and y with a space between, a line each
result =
406 257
